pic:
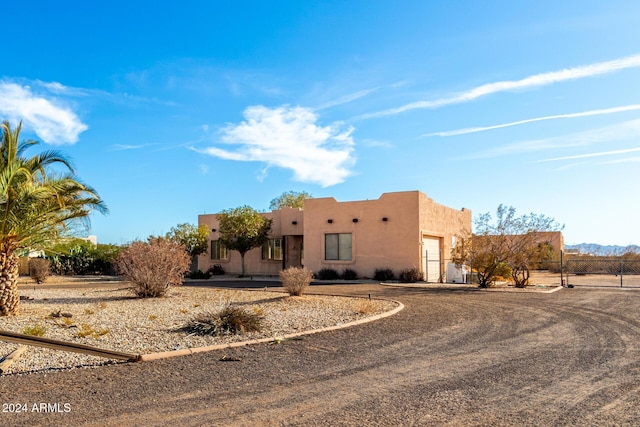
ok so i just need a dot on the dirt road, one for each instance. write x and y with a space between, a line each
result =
451 357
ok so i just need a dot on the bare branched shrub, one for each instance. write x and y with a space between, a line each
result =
229 320
153 267
383 274
327 274
410 275
349 274
295 280
39 269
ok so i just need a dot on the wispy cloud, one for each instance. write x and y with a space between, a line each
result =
375 143
290 138
346 99
50 118
588 155
60 89
535 80
537 119
635 159
121 98
628 130
123 147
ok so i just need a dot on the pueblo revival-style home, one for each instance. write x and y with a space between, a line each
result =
400 230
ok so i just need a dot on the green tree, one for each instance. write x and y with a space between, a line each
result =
289 199
242 229
510 244
38 204
193 238
78 256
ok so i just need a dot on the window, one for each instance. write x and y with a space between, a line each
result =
272 250
337 246
218 250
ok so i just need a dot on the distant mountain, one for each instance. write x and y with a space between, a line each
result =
602 250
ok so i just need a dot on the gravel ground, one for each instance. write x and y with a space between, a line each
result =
112 319
452 357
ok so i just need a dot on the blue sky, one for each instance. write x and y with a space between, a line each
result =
173 111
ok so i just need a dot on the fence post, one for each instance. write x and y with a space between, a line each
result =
562 268
621 271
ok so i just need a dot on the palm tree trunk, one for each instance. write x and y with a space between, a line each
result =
9 297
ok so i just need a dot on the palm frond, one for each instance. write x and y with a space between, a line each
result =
38 203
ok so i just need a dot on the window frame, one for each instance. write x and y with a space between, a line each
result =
219 252
273 249
340 246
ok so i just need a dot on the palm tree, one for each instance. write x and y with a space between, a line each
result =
40 199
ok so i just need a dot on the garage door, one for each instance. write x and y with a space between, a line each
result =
431 258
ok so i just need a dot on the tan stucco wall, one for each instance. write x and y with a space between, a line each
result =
555 239
444 223
254 264
395 243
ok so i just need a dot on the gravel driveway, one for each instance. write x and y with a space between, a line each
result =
451 357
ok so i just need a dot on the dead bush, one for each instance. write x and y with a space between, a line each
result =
229 320
410 275
295 280
39 269
366 306
384 274
153 267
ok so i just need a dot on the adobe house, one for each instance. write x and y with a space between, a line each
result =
399 230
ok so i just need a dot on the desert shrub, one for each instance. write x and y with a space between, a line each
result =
410 275
327 274
383 274
78 256
365 306
295 280
104 257
216 270
153 267
39 269
198 275
229 320
349 274
503 271
37 330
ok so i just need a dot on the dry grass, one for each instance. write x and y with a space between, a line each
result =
37 330
87 330
366 306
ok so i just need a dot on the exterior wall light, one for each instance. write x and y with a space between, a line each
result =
330 221
385 219
355 219
294 222
213 230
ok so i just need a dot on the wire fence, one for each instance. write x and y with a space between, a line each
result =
620 271
579 270
588 271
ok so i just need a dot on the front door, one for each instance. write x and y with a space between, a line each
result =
293 251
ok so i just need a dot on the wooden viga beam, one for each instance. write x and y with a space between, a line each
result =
16 338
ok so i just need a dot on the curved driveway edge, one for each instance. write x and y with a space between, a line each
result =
532 290
186 351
